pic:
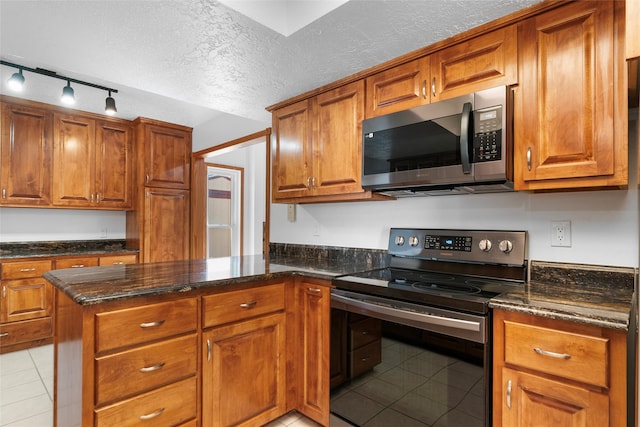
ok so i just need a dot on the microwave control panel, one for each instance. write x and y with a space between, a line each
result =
487 135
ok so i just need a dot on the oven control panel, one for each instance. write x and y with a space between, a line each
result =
486 246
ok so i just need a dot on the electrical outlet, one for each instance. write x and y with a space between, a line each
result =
561 233
104 232
316 228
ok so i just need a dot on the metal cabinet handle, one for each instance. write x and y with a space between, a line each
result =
97 197
151 324
27 270
77 266
4 334
152 415
208 350
542 352
424 89
529 158
4 291
248 304
315 290
313 182
509 394
146 178
433 87
118 263
152 368
308 183
4 193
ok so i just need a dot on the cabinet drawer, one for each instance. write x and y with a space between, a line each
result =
166 406
24 269
118 259
25 331
238 305
80 262
134 371
573 356
137 325
365 358
364 332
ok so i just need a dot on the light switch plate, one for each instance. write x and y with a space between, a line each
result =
291 212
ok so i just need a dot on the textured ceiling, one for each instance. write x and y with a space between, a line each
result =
187 61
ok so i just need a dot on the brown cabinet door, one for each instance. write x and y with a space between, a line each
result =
291 151
632 37
113 159
166 225
314 310
25 156
73 160
533 400
167 156
405 86
565 107
480 63
337 140
244 373
25 299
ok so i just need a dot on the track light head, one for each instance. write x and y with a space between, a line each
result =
110 107
67 95
16 82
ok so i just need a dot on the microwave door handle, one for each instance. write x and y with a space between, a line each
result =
465 131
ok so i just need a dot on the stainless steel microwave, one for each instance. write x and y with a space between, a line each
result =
456 146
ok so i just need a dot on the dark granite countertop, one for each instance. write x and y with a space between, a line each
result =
14 250
95 285
595 295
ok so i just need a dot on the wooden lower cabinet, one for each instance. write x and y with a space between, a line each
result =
551 372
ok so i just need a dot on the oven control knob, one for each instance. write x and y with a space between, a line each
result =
399 240
414 241
485 245
505 246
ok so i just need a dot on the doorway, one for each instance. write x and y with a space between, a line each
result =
225 217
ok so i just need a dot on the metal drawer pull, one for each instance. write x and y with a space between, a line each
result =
316 290
542 352
151 415
77 266
151 324
27 270
509 394
248 304
529 158
152 368
424 89
208 350
4 334
118 263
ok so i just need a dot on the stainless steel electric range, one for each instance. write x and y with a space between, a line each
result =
432 365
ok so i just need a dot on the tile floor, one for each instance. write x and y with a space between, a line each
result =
26 392
413 387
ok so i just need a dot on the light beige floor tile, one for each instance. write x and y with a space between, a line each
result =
41 420
26 408
21 392
17 378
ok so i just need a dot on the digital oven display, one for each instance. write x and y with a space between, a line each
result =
448 243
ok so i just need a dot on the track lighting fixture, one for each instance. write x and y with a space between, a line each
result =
110 107
16 82
67 94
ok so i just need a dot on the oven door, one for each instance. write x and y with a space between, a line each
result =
418 371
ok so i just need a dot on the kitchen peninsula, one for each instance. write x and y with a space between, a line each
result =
170 341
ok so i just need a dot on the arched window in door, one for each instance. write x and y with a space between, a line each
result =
224 211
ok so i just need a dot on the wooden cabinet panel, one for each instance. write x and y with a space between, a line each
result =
244 372
25 155
118 259
35 330
481 63
239 305
24 269
571 94
114 160
138 325
632 29
399 88
76 262
124 374
166 225
25 299
73 160
535 400
164 407
167 155
338 348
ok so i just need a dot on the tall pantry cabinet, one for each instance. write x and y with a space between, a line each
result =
159 223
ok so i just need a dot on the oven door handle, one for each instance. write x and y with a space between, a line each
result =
468 325
465 135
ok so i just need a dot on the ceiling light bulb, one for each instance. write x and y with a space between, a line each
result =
110 107
16 82
67 95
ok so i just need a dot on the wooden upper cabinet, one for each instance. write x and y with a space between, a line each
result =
25 156
632 29
166 154
570 108
399 88
92 162
480 63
